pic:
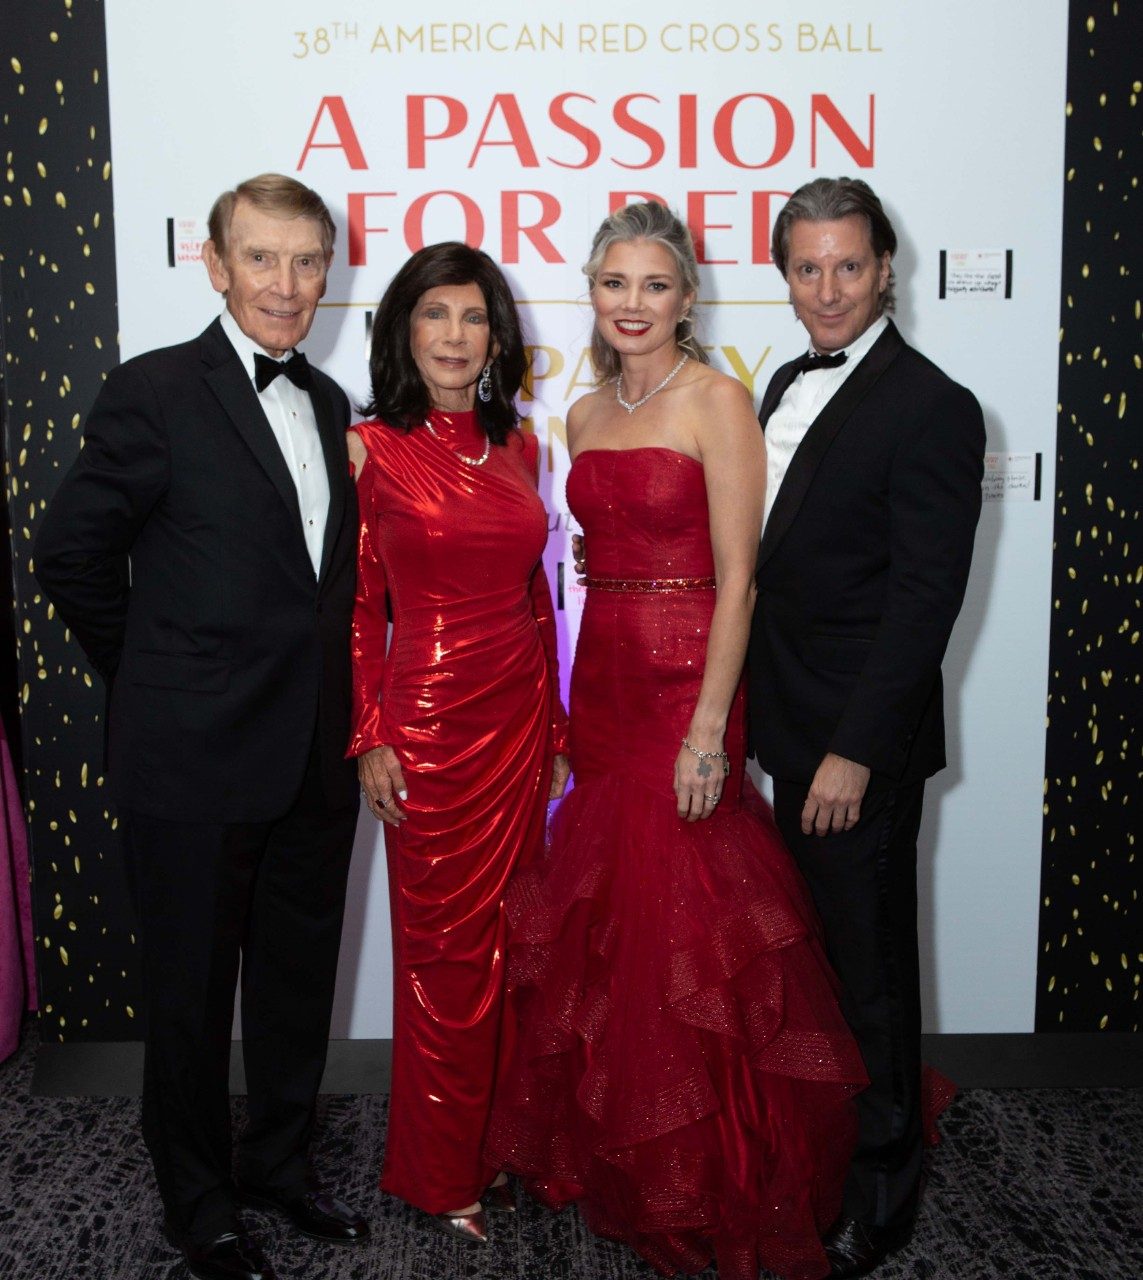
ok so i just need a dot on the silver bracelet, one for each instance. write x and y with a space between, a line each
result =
704 769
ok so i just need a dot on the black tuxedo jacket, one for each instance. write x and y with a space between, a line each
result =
174 551
862 570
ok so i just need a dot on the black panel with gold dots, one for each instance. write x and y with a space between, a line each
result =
57 276
1091 926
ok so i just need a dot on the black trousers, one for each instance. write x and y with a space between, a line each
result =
864 884
270 894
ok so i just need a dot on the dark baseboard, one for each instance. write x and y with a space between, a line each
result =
114 1069
994 1061
1050 1060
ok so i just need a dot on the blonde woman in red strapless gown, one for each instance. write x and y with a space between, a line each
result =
458 729
683 1071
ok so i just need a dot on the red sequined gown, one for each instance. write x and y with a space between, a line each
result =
468 698
682 1068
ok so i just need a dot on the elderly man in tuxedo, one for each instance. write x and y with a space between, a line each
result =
873 493
202 550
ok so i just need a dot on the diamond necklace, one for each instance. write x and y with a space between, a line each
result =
472 462
654 390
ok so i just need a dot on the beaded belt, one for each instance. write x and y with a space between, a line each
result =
651 584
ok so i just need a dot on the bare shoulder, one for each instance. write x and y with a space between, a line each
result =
587 406
721 415
585 410
720 392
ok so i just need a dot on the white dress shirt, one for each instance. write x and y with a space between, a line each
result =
804 399
291 416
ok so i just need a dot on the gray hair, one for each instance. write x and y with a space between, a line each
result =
829 200
276 194
653 222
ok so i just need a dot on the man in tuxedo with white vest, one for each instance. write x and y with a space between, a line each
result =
202 549
874 464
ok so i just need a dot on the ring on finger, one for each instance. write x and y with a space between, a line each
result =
711 800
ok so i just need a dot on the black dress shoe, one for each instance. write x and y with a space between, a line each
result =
855 1248
227 1257
313 1213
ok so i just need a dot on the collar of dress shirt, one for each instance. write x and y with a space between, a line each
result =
244 346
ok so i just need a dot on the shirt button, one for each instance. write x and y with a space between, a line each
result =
310 522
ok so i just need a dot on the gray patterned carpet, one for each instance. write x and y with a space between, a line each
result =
1028 1185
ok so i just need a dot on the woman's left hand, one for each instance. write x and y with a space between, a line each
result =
698 782
561 771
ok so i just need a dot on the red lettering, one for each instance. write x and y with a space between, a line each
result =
696 220
587 138
724 130
511 228
415 124
357 229
415 220
343 127
762 215
517 138
688 131
859 152
637 129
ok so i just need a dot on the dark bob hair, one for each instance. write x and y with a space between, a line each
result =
400 397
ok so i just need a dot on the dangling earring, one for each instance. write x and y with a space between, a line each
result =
484 386
685 332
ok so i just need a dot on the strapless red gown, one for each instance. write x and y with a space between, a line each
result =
682 1069
468 697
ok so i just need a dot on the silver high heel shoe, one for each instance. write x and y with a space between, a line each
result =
470 1227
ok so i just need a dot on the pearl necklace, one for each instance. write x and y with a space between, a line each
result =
472 462
654 390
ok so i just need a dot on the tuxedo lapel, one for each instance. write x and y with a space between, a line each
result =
782 378
230 383
823 430
336 469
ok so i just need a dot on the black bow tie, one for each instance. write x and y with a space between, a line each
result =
809 362
296 368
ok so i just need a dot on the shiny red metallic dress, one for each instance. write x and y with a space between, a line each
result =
468 698
682 1069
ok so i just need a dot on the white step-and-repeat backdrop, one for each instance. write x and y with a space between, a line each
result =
518 127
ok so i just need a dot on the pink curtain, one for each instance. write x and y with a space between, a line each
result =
17 966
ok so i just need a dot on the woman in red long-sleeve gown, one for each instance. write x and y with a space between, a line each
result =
683 1071
458 729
